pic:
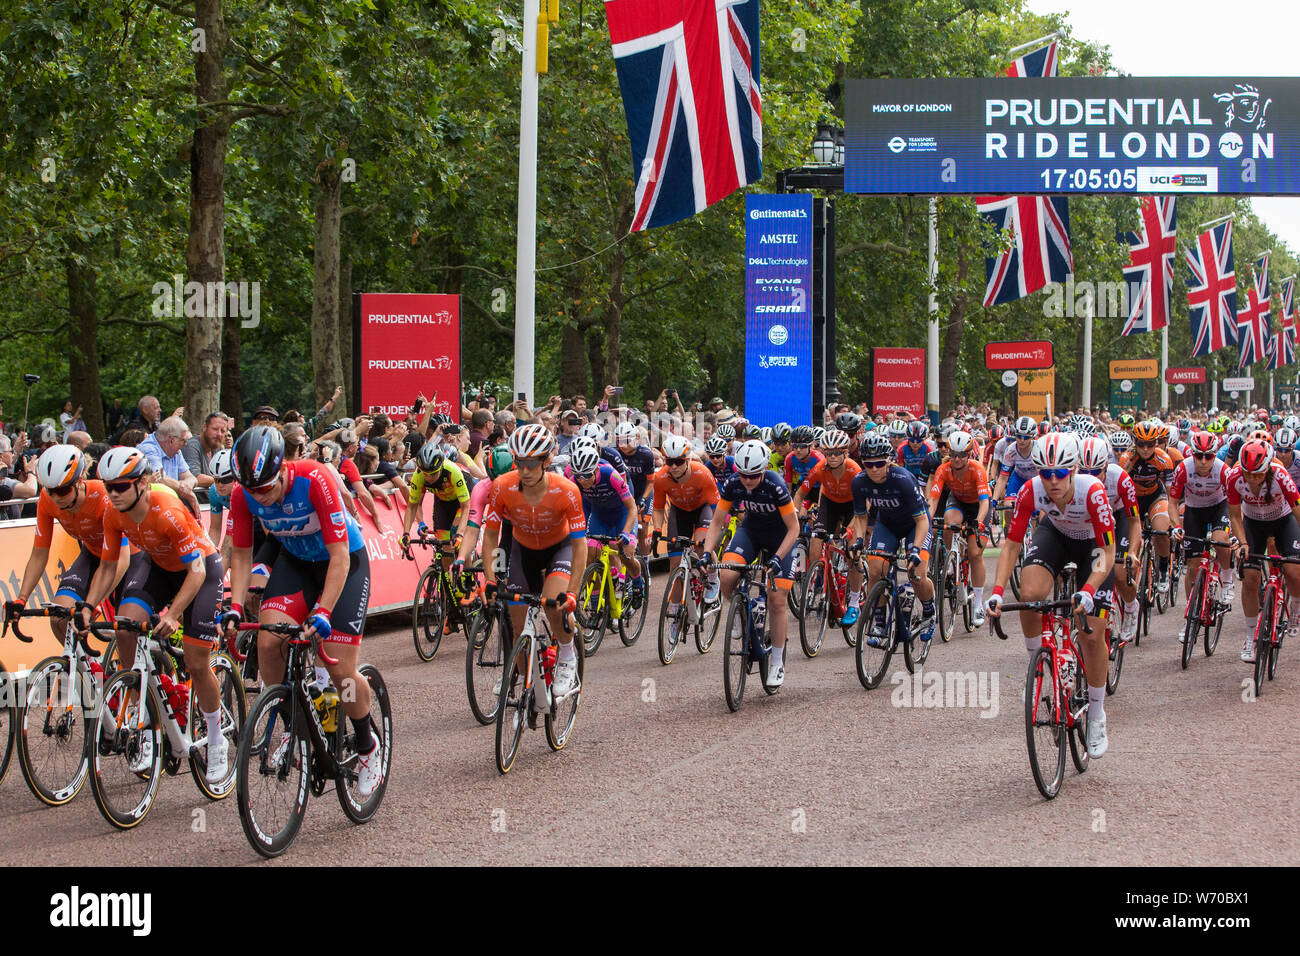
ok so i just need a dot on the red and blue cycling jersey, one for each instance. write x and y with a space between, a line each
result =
720 472
310 516
911 457
795 470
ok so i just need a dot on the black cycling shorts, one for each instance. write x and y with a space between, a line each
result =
1282 530
1052 550
296 585
158 587
75 582
833 515
529 569
684 524
1202 522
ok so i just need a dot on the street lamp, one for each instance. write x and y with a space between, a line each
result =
839 147
823 145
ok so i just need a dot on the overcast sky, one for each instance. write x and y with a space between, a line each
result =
1182 40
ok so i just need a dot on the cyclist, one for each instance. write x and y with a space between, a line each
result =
1094 460
1120 442
685 494
451 496
716 459
834 479
1284 446
609 508
1198 480
497 462
803 458
78 504
1151 469
183 575
1263 503
1076 526
1015 463
894 497
1127 422
968 504
595 433
639 462
320 580
851 424
549 539
781 433
1231 448
912 454
769 527
727 432
897 431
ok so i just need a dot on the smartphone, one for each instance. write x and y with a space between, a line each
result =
672 392
617 390
522 397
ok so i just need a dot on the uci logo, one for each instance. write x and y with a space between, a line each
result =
778 335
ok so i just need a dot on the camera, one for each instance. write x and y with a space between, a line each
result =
31 379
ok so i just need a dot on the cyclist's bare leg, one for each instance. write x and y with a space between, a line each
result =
777 598
354 691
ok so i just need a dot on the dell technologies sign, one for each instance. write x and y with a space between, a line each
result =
778 308
1004 135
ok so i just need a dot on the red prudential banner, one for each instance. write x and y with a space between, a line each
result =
898 380
1185 376
406 344
1018 355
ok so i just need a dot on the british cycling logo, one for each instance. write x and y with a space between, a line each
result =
76 909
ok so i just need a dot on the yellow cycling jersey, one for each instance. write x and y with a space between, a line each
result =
451 487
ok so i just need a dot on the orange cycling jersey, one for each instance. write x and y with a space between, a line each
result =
557 516
169 534
968 485
1149 475
694 491
839 490
86 524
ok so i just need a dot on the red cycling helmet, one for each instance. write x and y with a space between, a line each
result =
1204 442
1256 457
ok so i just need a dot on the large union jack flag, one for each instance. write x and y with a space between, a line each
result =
689 72
1283 351
1039 225
1212 290
1255 321
1149 274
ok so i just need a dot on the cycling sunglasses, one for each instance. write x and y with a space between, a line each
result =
675 462
1145 444
1204 455
801 444
718 455
530 462
880 463
915 441
1057 473
837 453
119 487
266 488
1095 472
63 490
961 454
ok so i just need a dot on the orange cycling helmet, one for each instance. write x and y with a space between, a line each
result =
1146 431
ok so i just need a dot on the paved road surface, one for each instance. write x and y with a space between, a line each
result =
659 771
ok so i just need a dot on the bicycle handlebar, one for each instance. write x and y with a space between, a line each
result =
285 628
1041 607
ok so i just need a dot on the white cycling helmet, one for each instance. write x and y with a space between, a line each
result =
123 463
593 431
1025 427
897 428
223 465
625 434
818 434
1094 455
960 443
1292 422
835 440
60 465
1173 434
726 431
715 446
531 441
675 446
584 458
1056 450
752 458
765 434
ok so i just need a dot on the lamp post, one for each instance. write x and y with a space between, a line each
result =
824 175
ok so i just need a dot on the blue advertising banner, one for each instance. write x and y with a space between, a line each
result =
778 309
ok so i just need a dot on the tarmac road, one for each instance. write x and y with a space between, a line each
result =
659 771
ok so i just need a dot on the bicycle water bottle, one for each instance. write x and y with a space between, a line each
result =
548 664
326 700
1067 670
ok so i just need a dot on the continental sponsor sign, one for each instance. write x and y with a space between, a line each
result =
1034 388
1134 368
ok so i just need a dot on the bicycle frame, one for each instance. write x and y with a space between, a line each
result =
1058 637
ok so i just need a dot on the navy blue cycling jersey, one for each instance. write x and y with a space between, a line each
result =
765 507
897 500
720 472
606 496
931 464
640 464
612 456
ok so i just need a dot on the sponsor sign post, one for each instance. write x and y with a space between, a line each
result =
1134 368
898 381
1018 135
1018 355
406 343
1185 376
1034 395
778 308
1125 401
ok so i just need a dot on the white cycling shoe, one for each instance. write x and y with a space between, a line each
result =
566 678
1097 742
218 761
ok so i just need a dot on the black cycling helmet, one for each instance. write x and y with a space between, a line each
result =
258 455
848 422
803 435
430 457
752 433
781 432
875 444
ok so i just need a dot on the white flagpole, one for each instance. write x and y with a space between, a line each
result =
526 234
1087 350
1164 365
1033 44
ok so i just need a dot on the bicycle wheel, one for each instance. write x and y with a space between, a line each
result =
706 628
812 619
1176 570
1263 641
512 708
1044 725
593 608
485 663
1115 664
8 721
798 561
273 772
1015 575
50 730
126 759
875 646
632 622
430 611
667 619
1079 727
357 808
1275 647
735 662
1192 622
968 608
1211 639
234 708
561 717
951 597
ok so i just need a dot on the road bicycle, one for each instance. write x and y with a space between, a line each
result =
1177 569
297 740
1273 624
953 587
1003 517
437 601
1056 694
147 721
687 585
799 558
1064 589
485 657
1205 612
748 638
825 595
526 686
603 598
889 620
1148 594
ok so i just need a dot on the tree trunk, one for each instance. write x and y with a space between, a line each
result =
205 254
345 337
595 359
83 335
573 362
232 381
952 339
327 366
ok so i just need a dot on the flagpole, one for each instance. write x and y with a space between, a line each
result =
1086 391
1033 43
526 230
932 386
1164 365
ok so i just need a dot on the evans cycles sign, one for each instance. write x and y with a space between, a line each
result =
998 135
1000 355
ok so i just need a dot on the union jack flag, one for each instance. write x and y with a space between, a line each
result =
1212 290
1254 322
1283 352
1149 274
689 72
1039 225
